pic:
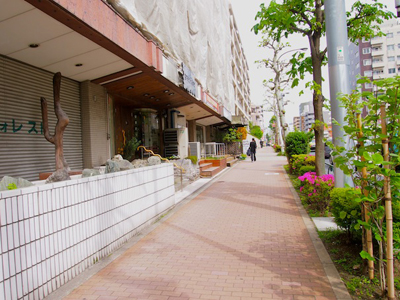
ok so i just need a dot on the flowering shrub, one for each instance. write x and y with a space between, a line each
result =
277 148
316 190
301 160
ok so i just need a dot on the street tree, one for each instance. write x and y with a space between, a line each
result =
280 79
307 18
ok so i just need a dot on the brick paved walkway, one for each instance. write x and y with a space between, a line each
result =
241 238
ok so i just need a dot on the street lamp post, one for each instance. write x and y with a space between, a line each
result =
278 95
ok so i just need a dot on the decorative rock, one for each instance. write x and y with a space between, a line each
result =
19 182
192 172
154 160
59 175
139 163
112 166
124 164
117 157
90 173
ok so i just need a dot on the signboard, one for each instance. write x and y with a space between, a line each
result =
189 84
210 102
340 54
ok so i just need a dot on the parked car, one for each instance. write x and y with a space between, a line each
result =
312 145
328 151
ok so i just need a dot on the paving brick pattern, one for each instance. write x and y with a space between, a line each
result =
241 238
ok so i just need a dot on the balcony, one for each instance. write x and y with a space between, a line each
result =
377 40
378 63
377 51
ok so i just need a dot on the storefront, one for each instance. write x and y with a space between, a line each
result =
24 152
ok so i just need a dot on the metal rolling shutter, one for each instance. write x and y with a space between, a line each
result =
23 151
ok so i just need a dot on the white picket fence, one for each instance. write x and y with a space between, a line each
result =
52 232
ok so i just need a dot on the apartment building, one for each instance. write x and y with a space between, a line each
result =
380 56
257 115
240 80
296 123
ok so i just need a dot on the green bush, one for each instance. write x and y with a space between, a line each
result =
130 148
296 143
396 209
305 169
345 209
277 148
301 160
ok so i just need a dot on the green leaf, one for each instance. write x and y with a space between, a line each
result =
378 237
367 156
343 214
365 255
377 158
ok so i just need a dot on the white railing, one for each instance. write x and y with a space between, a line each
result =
215 149
52 232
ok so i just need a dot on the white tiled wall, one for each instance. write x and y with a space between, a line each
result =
50 233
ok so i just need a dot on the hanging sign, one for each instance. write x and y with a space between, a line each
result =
189 84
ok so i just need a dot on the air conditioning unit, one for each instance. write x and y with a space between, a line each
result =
194 148
176 142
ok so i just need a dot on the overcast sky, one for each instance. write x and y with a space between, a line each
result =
245 12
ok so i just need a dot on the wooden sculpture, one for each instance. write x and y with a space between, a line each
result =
62 168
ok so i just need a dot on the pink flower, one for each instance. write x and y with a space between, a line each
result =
301 188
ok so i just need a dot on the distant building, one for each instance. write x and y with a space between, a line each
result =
307 116
296 123
380 56
257 115
306 119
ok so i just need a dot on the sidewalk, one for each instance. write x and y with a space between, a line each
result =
243 237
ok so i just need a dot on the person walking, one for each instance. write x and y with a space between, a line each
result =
253 146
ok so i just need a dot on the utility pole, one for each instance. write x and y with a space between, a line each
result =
338 62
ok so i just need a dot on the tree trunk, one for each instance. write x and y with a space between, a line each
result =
318 100
57 138
388 210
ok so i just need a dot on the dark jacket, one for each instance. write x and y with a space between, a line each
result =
253 146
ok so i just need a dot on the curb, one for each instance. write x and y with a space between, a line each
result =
331 272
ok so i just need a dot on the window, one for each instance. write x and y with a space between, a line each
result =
378 72
367 62
366 50
390 58
389 35
368 73
398 57
390 47
392 70
377 60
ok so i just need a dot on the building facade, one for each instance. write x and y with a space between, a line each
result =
257 115
296 123
380 56
240 74
124 76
